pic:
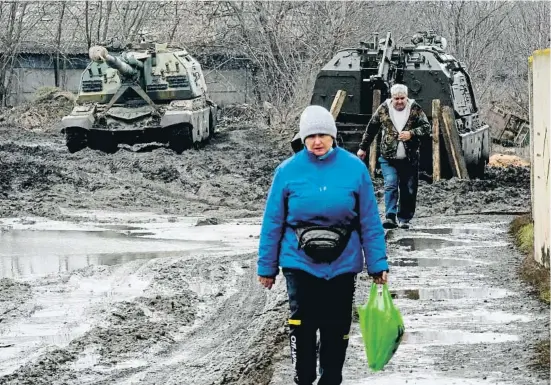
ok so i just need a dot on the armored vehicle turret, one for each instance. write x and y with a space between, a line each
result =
428 72
145 93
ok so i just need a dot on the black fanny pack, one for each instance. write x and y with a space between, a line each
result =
323 244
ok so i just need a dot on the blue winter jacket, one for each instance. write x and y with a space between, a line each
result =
324 191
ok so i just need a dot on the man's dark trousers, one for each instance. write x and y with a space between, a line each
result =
400 175
322 304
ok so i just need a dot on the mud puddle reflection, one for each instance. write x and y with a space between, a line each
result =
430 262
440 294
395 379
454 337
26 253
428 243
450 231
477 317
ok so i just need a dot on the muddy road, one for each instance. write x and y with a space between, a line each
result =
174 303
468 319
139 268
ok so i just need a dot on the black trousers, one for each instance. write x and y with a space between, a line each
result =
325 305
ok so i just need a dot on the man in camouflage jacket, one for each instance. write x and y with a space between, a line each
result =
403 123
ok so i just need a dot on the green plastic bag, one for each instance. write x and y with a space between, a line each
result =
381 326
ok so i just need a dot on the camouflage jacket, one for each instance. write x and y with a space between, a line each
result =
417 124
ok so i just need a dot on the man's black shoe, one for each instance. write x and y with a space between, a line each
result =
390 223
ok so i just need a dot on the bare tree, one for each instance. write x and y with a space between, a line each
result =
17 18
288 42
528 29
58 42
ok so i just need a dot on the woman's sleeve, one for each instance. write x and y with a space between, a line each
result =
272 228
372 234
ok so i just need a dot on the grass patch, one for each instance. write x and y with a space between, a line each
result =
542 354
531 272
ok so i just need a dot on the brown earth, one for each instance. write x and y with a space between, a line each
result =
503 160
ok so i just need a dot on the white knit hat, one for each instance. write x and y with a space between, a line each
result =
316 120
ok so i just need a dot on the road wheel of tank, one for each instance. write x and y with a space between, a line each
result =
109 147
180 138
106 142
75 140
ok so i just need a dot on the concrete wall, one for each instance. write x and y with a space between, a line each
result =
539 85
229 86
225 86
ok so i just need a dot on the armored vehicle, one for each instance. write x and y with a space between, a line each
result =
508 127
428 72
142 93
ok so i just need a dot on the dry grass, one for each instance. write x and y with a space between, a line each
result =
503 160
531 272
522 229
542 354
43 113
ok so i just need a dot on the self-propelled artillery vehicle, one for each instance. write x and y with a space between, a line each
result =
142 93
428 72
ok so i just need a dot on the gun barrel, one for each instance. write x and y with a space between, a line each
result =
119 65
99 54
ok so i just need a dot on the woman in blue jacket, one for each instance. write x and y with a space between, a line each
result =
320 223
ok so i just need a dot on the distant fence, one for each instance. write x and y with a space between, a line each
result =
539 87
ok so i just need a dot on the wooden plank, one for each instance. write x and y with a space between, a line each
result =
373 147
453 144
435 140
448 146
337 103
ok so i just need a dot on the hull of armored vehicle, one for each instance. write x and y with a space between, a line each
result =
185 124
428 72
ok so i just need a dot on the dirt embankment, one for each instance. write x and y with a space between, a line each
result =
503 190
43 114
13 299
228 178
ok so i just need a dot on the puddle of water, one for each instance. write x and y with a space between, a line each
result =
386 378
430 262
449 231
454 337
122 227
441 337
477 317
26 253
127 216
426 243
444 293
